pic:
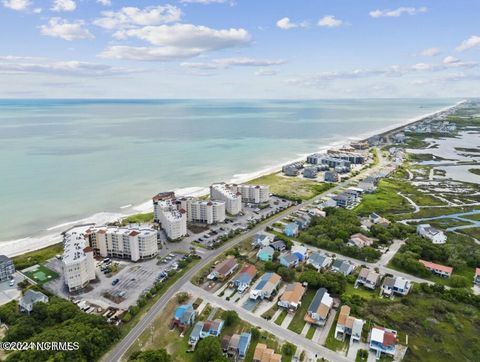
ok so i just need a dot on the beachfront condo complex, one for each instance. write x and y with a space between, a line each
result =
126 243
254 194
202 211
223 192
78 262
172 219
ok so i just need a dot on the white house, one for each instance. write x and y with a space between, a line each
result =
30 298
429 232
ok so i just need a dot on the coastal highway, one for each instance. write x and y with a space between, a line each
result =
121 348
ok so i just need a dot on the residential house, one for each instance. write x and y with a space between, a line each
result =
265 254
331 176
195 335
342 266
244 278
319 261
300 251
30 298
368 278
345 200
328 203
7 268
266 287
395 285
359 240
183 317
243 344
368 184
441 270
316 212
303 221
289 260
399 137
476 279
348 325
292 297
223 269
310 172
291 170
429 232
262 239
378 220
383 340
264 354
233 344
212 328
319 308
291 229
278 245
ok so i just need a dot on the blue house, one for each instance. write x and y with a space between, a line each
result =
300 252
184 316
265 254
291 229
243 344
289 260
212 328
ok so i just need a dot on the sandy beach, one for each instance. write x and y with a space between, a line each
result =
52 235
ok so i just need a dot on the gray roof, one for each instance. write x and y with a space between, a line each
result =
279 244
32 296
389 282
317 258
317 300
4 258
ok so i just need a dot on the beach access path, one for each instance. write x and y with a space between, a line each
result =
122 347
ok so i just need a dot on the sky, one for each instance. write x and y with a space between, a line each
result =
244 49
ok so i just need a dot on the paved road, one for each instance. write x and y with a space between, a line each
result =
279 332
119 350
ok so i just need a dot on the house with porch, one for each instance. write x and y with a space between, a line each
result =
348 325
292 297
223 269
244 278
319 261
383 340
368 278
319 308
265 253
438 269
266 287
289 260
395 285
30 298
183 317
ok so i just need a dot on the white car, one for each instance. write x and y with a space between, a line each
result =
12 283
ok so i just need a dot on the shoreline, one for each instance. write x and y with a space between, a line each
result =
52 235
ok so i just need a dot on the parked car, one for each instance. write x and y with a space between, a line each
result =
115 281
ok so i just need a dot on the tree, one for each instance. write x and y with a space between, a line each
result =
230 317
160 355
209 349
182 297
288 349
287 274
458 281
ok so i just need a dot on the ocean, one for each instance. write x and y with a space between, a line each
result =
65 160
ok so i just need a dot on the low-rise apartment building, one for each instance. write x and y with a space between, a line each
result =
123 242
78 262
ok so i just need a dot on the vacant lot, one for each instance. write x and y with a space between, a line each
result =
291 187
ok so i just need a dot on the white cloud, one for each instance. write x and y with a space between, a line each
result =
105 2
176 41
61 28
450 60
225 63
472 42
397 12
64 5
430 52
14 64
329 21
266 72
128 17
286 24
204 2
18 5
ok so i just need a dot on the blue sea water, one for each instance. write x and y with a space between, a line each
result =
62 160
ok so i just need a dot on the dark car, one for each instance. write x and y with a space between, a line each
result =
115 281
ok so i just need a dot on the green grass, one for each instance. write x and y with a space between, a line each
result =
41 275
38 256
475 171
362 292
138 219
475 217
311 331
434 326
281 317
473 232
291 187
297 323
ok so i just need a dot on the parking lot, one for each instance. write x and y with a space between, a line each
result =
134 279
10 292
250 214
